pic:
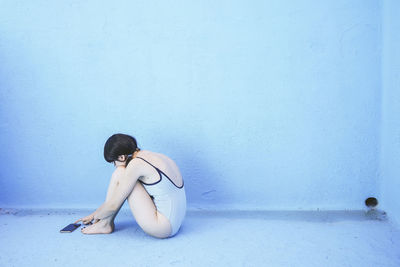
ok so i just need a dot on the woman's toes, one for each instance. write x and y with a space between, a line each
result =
97 229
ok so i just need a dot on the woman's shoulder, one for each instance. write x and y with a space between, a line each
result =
147 160
163 163
155 158
136 167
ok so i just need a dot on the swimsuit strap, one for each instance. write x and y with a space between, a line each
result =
161 172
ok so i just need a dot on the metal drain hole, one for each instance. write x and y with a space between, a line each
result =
371 202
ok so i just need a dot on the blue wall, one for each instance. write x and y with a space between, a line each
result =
390 153
267 104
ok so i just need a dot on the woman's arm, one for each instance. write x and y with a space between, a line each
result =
121 186
111 187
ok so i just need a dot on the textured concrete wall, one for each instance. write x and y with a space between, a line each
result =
390 153
268 104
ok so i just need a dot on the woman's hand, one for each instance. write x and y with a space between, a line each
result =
88 219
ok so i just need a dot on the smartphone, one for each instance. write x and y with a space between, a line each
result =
70 228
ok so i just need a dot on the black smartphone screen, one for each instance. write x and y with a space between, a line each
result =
69 228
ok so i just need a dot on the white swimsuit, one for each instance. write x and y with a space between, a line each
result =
170 199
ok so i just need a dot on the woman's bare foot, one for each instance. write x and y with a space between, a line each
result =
101 227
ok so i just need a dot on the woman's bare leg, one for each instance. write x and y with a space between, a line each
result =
148 218
106 225
114 182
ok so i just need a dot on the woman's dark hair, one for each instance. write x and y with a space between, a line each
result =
120 144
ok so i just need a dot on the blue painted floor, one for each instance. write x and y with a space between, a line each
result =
32 238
